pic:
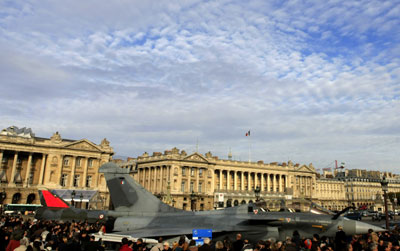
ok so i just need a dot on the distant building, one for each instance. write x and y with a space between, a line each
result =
69 167
203 182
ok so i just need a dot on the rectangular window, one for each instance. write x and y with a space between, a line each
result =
76 180
200 187
192 171
66 162
64 179
183 171
191 187
88 181
200 172
90 163
78 161
183 187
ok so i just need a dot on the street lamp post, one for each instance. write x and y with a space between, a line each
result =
257 191
385 186
72 197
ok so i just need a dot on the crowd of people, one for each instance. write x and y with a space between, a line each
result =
21 234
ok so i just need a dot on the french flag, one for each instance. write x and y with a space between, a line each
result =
248 133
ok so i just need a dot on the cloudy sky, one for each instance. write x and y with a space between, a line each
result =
313 82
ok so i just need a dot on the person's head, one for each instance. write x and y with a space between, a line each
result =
349 247
238 236
64 239
92 238
219 245
373 247
24 242
160 240
181 242
206 241
340 228
192 243
124 241
139 241
316 237
166 245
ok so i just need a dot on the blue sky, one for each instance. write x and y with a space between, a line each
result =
313 81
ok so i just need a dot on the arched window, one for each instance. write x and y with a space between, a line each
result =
16 198
236 203
243 202
31 198
229 203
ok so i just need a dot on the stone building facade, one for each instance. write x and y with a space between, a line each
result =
30 163
203 182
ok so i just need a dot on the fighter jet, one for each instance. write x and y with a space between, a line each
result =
140 214
55 208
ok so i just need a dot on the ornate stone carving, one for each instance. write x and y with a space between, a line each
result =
105 143
56 138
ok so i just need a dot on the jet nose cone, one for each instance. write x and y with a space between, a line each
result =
362 228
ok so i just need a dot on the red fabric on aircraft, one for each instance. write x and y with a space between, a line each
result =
53 201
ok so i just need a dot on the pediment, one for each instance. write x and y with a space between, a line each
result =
305 168
82 145
196 158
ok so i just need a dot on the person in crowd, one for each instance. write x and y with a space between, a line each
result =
206 245
238 243
340 239
125 245
158 246
166 247
192 246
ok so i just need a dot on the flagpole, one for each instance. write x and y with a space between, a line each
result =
249 147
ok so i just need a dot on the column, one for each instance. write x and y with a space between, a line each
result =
1 158
286 182
189 174
262 182
28 168
161 178
197 179
212 180
241 181
228 182
248 181
235 181
280 183
60 167
268 182
42 166
220 179
274 183
71 182
85 169
14 167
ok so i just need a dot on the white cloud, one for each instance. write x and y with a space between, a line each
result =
312 81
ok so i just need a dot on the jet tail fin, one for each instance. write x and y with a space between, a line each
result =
49 200
128 195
